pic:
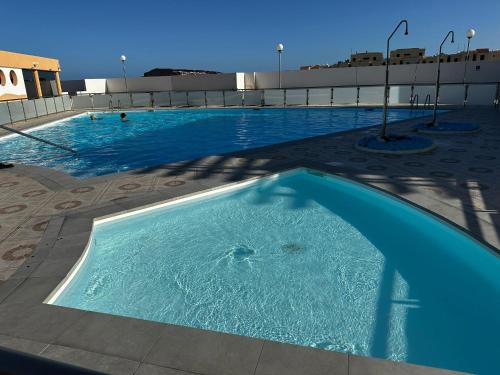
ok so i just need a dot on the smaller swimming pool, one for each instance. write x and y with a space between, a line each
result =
305 258
152 138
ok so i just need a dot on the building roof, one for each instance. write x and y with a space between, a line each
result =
23 61
157 72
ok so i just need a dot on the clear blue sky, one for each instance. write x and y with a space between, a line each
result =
88 36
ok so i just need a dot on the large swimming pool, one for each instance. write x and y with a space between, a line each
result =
151 138
303 258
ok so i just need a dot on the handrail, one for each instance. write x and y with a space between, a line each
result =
413 100
427 104
38 139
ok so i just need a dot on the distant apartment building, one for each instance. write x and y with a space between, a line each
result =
367 59
407 56
316 67
479 54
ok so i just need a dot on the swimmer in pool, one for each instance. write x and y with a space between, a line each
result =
93 117
123 117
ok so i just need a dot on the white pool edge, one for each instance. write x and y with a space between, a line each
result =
54 295
40 127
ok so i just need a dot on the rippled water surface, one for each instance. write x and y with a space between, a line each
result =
152 138
303 259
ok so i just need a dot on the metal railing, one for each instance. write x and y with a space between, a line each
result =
427 102
451 94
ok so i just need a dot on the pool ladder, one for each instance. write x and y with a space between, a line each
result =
111 105
414 100
427 103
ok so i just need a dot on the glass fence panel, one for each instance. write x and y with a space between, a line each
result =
451 94
233 98
16 110
371 95
398 95
59 104
481 94
274 97
161 99
196 98
121 100
215 98
141 100
296 97
4 114
320 96
51 105
67 102
344 95
41 109
81 102
29 108
252 98
179 98
101 101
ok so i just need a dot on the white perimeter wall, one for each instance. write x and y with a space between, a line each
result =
174 83
489 71
423 75
97 86
139 84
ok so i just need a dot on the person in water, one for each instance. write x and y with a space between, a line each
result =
123 117
93 117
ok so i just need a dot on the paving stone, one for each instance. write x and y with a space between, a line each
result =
22 345
147 369
277 358
111 335
90 360
206 352
371 366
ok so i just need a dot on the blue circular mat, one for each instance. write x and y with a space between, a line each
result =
397 144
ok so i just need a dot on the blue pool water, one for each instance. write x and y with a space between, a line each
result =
152 138
307 259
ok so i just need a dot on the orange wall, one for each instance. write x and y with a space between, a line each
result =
22 61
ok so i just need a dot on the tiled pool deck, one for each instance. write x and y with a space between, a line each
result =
46 218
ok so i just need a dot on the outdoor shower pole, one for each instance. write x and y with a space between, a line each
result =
383 131
436 99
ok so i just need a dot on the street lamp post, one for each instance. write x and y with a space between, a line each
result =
436 98
383 131
280 49
123 58
469 34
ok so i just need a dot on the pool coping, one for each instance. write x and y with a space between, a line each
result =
24 315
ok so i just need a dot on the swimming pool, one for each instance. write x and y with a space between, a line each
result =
152 138
304 258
